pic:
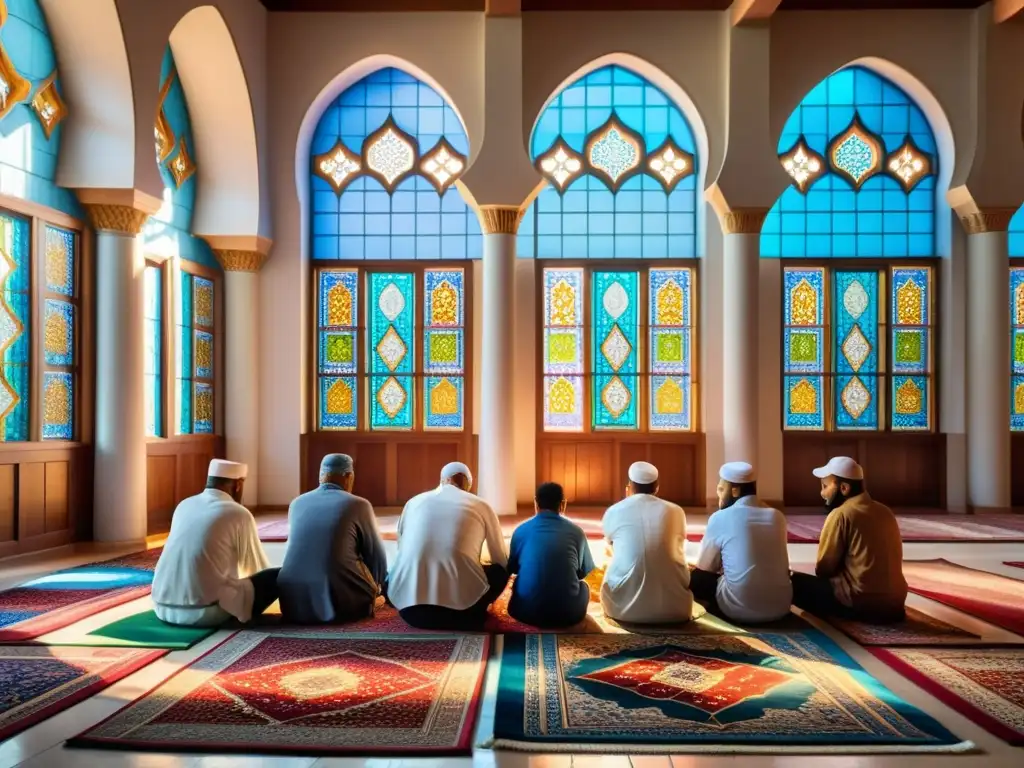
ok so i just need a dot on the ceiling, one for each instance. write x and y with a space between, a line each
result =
600 5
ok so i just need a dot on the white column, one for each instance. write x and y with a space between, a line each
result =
241 363
988 360
740 278
496 464
119 506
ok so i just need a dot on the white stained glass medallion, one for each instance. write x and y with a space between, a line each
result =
560 165
391 302
390 154
391 349
669 164
442 165
856 348
337 167
613 151
803 164
392 397
616 348
909 165
855 398
855 299
615 397
615 300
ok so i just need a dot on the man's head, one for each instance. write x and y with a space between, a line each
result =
338 469
643 478
549 498
736 480
227 476
457 474
841 479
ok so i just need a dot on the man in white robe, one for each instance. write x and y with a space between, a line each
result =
438 580
213 566
647 580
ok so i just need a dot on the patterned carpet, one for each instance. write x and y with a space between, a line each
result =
60 599
918 629
37 683
313 694
927 528
727 693
986 686
996 599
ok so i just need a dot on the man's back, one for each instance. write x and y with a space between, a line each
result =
647 580
549 555
334 562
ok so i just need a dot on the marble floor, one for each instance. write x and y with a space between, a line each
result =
42 745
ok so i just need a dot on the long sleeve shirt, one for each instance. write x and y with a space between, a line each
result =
861 552
550 556
335 565
441 536
202 576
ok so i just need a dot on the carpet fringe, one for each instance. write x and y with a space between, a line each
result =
546 747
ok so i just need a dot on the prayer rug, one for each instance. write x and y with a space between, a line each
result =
140 630
750 693
60 599
999 600
1014 564
917 629
315 694
37 683
985 686
926 528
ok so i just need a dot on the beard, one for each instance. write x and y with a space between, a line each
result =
729 501
835 500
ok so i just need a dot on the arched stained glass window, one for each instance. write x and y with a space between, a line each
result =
194 314
1016 234
858 340
620 161
15 326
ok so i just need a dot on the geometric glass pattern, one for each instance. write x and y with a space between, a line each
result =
803 164
384 157
443 354
1017 349
615 321
669 302
911 343
195 355
60 261
855 333
625 182
804 348
392 310
563 351
875 195
15 316
59 333
49 106
59 337
153 358
58 405
338 348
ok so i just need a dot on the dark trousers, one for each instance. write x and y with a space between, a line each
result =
815 595
439 617
704 586
264 588
565 614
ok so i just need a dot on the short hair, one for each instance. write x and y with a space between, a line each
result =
643 487
550 496
745 489
856 486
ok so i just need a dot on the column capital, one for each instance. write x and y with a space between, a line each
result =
742 221
500 219
987 220
234 260
121 211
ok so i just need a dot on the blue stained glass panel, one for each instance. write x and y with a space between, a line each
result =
614 334
392 311
60 261
1016 234
339 298
804 297
665 309
443 402
183 355
391 407
804 402
59 342
855 332
203 408
203 349
58 406
1017 403
185 406
15 326
443 297
615 405
856 399
910 407
563 297
338 402
1017 321
911 296
203 301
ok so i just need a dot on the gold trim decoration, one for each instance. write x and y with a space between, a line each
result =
7 268
670 164
851 146
908 164
987 220
14 88
163 134
48 105
803 164
232 260
561 164
120 219
3 12
181 166
500 219
743 221
604 144
390 170
442 165
338 167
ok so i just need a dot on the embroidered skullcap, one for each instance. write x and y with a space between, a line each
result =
642 473
737 473
336 464
840 466
227 470
456 468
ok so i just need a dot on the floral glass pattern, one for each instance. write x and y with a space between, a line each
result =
804 348
669 302
195 355
855 334
1017 349
560 164
613 152
909 164
670 164
563 350
615 330
337 167
443 353
856 154
803 164
442 165
60 333
338 348
49 106
911 348
392 310
15 323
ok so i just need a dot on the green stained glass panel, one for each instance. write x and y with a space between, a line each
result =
803 348
444 348
669 347
1018 350
339 348
562 348
908 347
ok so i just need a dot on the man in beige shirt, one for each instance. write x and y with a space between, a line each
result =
859 573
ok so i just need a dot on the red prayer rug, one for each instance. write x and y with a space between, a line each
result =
926 528
985 686
37 683
314 694
996 599
60 599
763 692
1017 564
917 629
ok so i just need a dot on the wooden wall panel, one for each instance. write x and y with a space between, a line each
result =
901 470
161 477
56 499
1017 469
176 468
8 503
419 466
32 499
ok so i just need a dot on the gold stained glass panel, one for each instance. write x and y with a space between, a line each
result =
339 398
909 398
803 304
1018 302
563 304
562 397
48 105
909 304
669 304
803 398
444 304
669 397
562 348
444 398
444 348
1018 400
14 88
56 334
204 405
55 402
339 305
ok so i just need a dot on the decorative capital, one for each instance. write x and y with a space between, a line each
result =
500 219
987 220
233 260
120 219
743 221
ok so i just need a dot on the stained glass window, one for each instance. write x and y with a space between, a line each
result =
1016 234
153 362
15 325
628 311
843 368
864 161
195 355
1017 349
620 159
396 379
385 156
60 331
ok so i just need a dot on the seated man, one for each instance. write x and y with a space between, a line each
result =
213 566
437 580
335 566
647 581
550 557
859 573
743 567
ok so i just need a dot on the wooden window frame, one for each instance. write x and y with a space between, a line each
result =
644 374
419 375
197 270
166 394
885 375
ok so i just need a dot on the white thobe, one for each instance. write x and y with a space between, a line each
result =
441 535
746 543
202 576
647 580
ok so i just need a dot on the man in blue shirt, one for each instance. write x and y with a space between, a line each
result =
550 558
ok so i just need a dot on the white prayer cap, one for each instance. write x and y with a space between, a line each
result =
336 464
737 473
642 473
840 466
227 470
456 468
